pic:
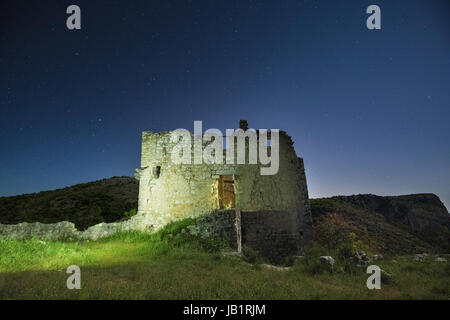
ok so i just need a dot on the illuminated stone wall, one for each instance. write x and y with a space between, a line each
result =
171 191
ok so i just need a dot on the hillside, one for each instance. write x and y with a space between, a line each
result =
423 215
406 224
84 204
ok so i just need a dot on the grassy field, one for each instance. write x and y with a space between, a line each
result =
173 265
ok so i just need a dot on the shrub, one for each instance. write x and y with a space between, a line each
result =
344 256
288 261
250 255
357 244
332 230
130 213
311 262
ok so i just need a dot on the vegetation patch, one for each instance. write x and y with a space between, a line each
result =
176 264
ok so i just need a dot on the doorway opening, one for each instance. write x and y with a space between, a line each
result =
227 199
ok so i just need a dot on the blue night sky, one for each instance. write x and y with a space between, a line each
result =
368 110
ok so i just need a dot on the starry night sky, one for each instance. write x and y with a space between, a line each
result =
368 110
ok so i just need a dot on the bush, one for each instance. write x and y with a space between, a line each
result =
357 244
250 255
289 261
130 213
344 256
332 230
311 262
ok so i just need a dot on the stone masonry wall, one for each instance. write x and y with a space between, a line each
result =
275 235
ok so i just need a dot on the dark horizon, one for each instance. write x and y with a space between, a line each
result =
368 110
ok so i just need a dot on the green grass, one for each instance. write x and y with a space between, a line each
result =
172 264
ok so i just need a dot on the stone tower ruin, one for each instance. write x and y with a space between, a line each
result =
274 210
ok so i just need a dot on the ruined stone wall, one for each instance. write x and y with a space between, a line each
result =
275 235
183 191
67 231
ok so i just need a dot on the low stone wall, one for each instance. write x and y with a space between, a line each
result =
67 231
275 235
54 231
